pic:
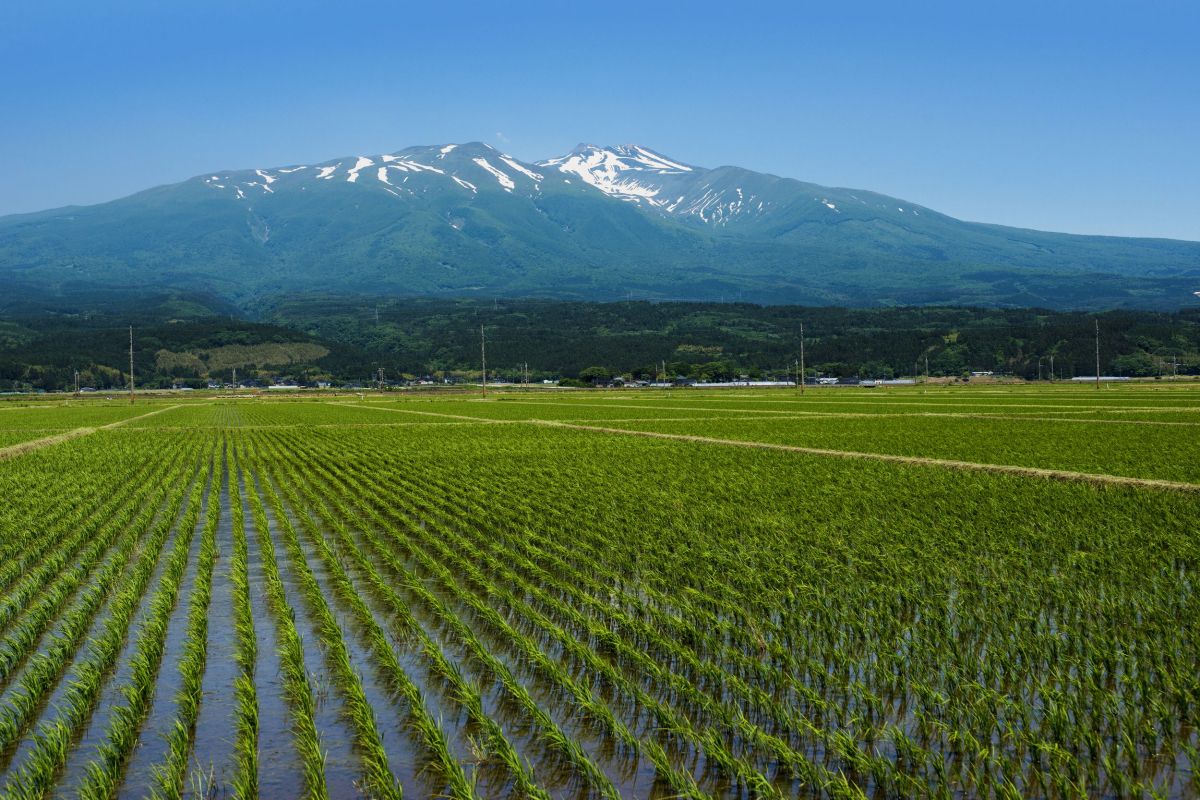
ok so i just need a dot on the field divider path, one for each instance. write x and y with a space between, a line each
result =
433 414
973 466
21 448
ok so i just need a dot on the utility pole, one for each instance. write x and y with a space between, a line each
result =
235 379
483 359
801 358
1051 366
130 365
76 381
1097 354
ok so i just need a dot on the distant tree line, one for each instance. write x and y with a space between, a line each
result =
42 347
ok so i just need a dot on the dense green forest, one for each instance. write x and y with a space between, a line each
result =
195 339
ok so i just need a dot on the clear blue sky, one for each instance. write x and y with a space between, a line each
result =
1081 117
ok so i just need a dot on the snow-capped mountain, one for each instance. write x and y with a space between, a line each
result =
630 172
596 223
407 172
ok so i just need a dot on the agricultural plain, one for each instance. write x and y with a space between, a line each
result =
850 593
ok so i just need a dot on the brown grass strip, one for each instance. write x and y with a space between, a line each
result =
431 413
1002 469
21 448
127 420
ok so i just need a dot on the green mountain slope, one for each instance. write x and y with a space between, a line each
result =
599 223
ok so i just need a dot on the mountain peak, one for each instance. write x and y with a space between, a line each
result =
628 171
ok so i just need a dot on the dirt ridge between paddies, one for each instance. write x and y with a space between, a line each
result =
973 466
434 414
21 448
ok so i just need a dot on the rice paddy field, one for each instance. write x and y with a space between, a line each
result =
850 593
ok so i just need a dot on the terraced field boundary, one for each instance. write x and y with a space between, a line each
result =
1003 469
21 448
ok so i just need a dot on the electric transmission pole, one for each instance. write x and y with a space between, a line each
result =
130 365
801 358
483 359
1097 354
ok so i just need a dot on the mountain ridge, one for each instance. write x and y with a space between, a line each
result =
595 223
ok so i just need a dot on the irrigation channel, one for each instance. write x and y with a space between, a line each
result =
649 596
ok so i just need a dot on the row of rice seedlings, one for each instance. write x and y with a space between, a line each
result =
25 551
296 684
1111 643
35 492
170 775
245 782
681 782
781 715
647 641
112 522
649 651
463 691
104 773
592 550
546 729
377 779
44 669
733 660
727 667
668 718
704 634
81 544
797 762
520 525
53 741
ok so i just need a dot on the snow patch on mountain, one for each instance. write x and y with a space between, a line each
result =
502 177
528 173
362 163
407 165
630 172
